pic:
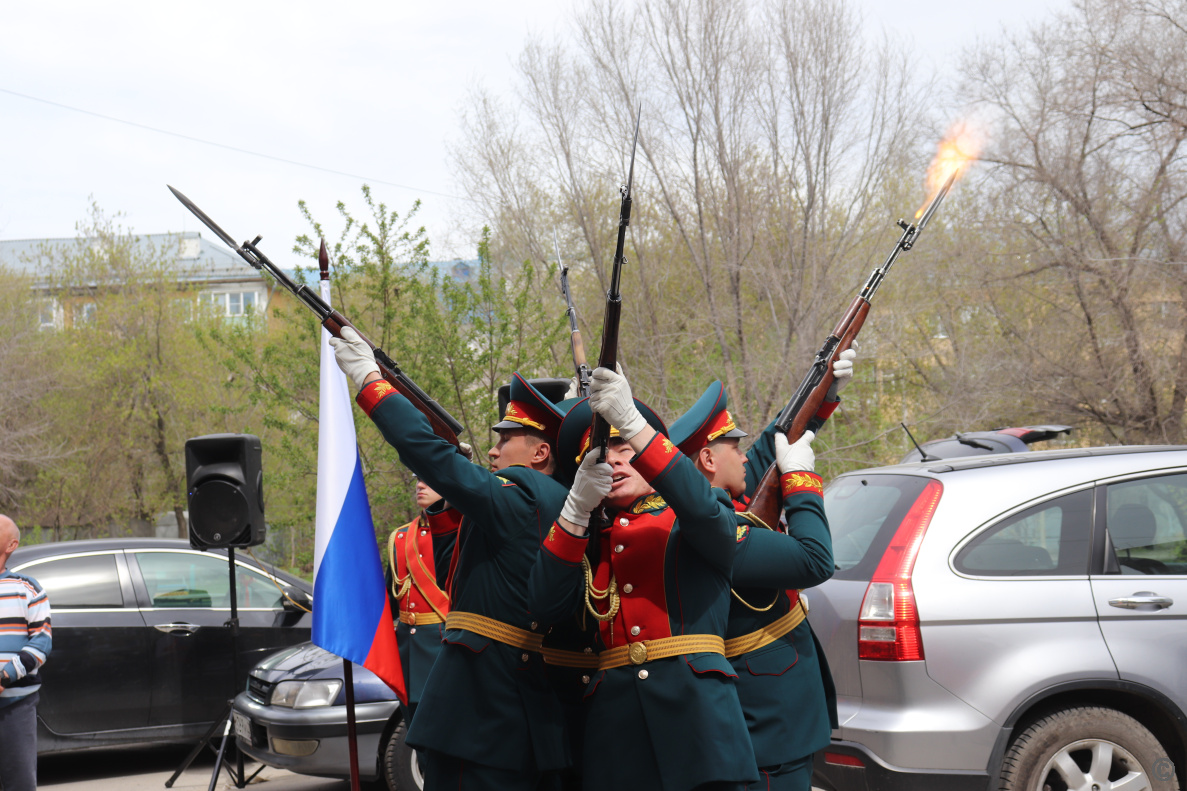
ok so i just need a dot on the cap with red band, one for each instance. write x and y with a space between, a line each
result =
707 420
528 408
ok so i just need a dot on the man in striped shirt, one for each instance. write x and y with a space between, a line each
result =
24 644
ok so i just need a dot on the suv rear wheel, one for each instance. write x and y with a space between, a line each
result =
401 767
1087 749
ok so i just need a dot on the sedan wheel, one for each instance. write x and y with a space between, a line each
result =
401 766
1087 749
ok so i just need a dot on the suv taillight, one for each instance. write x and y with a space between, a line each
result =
888 625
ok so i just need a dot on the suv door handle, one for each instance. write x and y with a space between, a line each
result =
173 628
1142 598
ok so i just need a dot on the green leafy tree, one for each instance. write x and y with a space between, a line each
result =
26 446
133 384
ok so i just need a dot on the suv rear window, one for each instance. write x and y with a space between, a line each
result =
863 514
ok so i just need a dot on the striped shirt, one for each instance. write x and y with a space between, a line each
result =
25 636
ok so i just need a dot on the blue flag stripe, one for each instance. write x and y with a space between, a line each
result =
350 580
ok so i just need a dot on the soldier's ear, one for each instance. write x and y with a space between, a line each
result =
542 452
706 460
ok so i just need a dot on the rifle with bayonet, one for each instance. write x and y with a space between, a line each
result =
608 358
767 501
579 364
444 424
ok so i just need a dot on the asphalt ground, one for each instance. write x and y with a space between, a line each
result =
147 769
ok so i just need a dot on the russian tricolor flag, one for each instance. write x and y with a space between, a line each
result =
351 615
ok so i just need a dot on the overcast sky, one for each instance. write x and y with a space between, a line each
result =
362 91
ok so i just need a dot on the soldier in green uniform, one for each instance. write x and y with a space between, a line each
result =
783 681
662 711
419 555
488 718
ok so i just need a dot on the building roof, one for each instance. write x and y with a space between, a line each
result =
196 259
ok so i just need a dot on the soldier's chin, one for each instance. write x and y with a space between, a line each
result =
618 501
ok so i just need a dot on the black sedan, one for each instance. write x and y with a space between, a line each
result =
141 650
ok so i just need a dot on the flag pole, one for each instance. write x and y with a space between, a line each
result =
348 671
351 732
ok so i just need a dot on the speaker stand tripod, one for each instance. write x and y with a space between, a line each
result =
227 744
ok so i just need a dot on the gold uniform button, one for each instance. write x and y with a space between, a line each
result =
628 588
642 674
411 605
524 657
412 630
585 679
587 650
534 625
634 631
619 548
624 521
424 532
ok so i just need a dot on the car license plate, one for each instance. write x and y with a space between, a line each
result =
242 727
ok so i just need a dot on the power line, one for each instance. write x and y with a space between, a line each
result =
229 147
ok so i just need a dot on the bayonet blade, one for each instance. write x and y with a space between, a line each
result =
209 223
630 178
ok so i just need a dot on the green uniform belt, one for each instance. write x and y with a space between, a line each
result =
736 646
495 630
563 658
661 648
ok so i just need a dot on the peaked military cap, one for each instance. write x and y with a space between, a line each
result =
527 407
573 441
707 420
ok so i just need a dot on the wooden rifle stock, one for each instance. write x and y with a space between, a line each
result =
767 501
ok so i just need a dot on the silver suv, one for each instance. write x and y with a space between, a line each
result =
1013 621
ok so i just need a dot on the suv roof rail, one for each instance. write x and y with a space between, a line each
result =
1001 459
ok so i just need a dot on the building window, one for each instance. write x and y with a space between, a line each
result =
240 303
49 314
232 304
84 314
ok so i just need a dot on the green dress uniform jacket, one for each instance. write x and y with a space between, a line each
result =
484 701
785 687
669 723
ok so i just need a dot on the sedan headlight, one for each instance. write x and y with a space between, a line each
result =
305 694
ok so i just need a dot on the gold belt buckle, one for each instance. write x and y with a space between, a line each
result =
637 653
411 618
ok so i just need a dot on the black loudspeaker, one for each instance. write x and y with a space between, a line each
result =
225 491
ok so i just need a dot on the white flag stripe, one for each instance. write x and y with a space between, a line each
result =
336 442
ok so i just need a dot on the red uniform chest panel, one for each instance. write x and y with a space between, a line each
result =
633 549
414 555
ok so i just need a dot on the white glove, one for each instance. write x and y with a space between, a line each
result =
574 390
354 356
590 487
466 450
797 456
610 397
842 372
